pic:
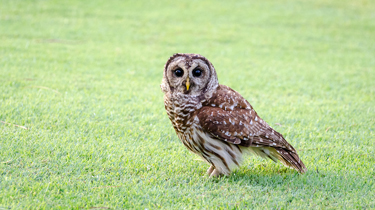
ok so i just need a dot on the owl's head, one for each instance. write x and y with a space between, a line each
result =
189 74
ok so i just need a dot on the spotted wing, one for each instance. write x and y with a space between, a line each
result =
227 116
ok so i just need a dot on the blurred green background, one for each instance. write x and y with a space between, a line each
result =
83 79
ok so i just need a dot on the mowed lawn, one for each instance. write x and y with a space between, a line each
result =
83 124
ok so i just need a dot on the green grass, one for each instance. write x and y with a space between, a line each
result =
83 77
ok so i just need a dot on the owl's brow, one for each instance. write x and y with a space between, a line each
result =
188 58
200 58
171 59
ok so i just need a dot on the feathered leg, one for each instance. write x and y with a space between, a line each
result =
210 170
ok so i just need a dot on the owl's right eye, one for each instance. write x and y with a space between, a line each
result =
178 72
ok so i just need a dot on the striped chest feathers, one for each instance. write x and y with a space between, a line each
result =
182 112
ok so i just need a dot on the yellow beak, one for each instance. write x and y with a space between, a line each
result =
187 83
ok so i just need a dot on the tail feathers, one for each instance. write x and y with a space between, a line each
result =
288 158
291 159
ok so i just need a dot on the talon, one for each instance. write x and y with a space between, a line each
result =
216 173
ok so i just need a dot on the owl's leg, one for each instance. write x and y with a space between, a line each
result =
216 173
210 169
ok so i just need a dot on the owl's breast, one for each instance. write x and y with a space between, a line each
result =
182 115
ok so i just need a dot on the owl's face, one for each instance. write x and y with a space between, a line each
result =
189 74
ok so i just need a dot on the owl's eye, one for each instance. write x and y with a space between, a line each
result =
197 72
178 72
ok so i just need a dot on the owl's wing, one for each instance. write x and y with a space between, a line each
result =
240 126
227 116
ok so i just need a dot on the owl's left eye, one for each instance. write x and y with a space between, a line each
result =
197 72
178 72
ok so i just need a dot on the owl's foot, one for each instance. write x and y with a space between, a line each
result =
210 170
216 173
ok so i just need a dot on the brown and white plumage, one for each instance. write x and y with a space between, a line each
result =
216 122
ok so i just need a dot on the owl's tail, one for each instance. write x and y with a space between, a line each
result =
286 157
291 159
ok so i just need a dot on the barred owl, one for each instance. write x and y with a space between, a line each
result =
216 122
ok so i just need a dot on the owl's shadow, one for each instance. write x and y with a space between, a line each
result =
261 176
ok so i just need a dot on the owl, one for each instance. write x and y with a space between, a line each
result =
216 122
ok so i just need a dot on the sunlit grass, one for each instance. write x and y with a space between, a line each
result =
83 123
